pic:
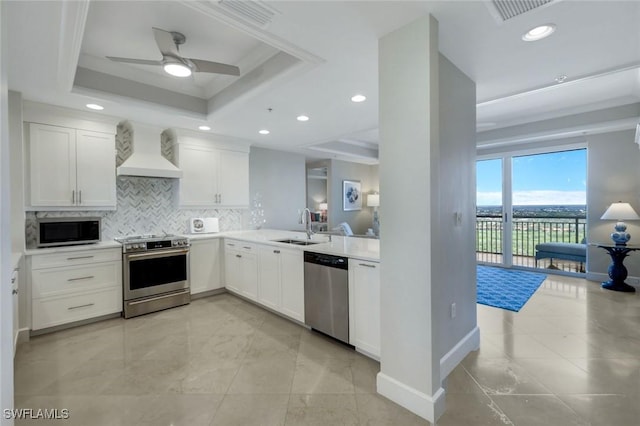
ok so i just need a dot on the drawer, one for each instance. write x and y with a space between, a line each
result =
71 279
240 246
52 311
68 258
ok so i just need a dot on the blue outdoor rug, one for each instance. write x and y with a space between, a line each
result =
506 289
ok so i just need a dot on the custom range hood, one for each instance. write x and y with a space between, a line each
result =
146 158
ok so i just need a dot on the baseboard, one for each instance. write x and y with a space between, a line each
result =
600 278
470 342
208 293
425 406
21 337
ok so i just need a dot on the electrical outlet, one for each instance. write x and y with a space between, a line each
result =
453 310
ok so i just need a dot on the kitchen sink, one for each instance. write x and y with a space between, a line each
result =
297 242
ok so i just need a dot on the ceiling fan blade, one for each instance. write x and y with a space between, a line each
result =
134 61
164 40
215 67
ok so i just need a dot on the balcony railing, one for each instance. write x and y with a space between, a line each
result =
527 232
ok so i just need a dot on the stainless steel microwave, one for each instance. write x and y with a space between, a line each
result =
67 231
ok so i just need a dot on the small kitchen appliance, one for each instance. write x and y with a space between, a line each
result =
204 225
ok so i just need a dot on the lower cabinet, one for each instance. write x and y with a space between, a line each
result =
364 306
74 285
281 280
205 265
241 268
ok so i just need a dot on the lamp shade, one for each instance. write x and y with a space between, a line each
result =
373 200
620 211
323 206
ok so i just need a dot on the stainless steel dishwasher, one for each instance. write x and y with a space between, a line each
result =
326 294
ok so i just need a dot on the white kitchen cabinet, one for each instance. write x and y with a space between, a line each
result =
213 177
205 265
364 306
241 268
74 285
281 280
269 272
71 168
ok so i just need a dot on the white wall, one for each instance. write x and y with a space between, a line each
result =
16 168
613 174
6 303
454 279
359 220
280 177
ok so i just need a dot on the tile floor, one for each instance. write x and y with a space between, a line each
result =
570 357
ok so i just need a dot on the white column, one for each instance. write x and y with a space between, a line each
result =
6 301
409 154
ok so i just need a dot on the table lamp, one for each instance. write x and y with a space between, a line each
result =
373 200
620 211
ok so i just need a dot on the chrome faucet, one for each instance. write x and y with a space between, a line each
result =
306 219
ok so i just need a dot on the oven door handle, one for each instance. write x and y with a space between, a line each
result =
163 253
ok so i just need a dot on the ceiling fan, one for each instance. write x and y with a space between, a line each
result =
175 64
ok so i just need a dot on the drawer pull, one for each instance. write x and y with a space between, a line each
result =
14 291
81 306
231 245
276 251
367 265
245 247
88 277
237 255
79 257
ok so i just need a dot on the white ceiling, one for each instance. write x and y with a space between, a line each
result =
310 58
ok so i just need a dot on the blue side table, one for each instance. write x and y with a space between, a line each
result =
617 271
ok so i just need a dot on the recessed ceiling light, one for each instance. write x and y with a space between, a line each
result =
358 98
177 70
204 127
264 132
539 32
561 78
95 106
302 118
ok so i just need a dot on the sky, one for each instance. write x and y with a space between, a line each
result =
558 178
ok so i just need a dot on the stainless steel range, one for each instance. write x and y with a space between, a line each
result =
155 273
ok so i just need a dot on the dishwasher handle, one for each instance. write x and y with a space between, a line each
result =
326 260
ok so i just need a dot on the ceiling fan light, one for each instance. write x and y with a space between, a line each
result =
177 70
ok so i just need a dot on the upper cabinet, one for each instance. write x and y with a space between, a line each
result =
212 177
71 167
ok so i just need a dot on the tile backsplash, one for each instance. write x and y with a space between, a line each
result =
145 205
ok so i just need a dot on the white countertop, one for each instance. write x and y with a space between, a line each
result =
15 260
353 247
82 247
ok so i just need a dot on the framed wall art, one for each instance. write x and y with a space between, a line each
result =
351 195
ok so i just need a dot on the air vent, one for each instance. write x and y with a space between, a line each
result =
252 12
503 10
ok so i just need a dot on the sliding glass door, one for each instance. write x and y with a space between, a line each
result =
524 199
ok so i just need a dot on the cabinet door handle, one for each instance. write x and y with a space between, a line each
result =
73 196
367 265
80 197
81 306
14 291
276 251
13 280
219 198
88 277
79 257
237 255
